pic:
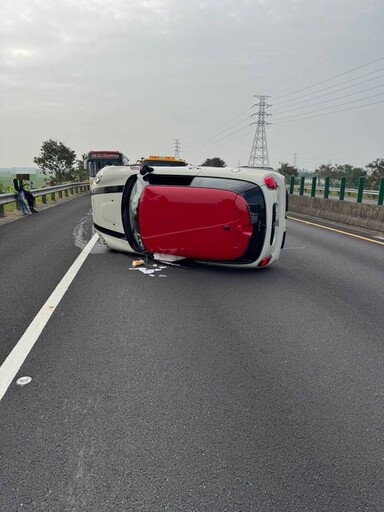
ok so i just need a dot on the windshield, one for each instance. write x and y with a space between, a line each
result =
94 166
136 193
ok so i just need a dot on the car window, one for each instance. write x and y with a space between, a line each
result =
256 203
169 179
237 186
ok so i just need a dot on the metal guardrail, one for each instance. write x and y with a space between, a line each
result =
69 188
354 191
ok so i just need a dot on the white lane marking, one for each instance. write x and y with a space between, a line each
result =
16 358
336 230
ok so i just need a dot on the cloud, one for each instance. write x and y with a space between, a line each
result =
19 52
141 72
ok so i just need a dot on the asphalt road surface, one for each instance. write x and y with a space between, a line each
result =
201 389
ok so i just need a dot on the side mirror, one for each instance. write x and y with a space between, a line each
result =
146 169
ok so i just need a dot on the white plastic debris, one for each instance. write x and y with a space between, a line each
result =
22 381
146 270
150 271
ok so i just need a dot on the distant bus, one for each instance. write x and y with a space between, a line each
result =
163 161
96 160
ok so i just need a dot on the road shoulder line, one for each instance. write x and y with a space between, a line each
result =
336 230
16 358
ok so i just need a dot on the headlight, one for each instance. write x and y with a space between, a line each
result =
98 177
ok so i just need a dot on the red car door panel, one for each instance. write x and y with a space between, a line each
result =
197 223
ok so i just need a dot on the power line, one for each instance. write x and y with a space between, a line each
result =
339 105
329 113
234 133
244 134
330 100
231 127
329 79
230 121
333 55
331 87
232 136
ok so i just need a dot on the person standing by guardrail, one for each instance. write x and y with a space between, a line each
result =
25 197
29 196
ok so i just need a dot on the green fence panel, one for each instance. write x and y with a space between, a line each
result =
302 185
313 189
381 192
343 182
292 185
326 187
360 191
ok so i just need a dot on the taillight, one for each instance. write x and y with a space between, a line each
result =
270 182
264 262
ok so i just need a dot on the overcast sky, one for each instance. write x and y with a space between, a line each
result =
134 75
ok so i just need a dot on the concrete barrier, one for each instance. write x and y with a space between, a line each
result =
367 216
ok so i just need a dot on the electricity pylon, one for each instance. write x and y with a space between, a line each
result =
177 147
259 151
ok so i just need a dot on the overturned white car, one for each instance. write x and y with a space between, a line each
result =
228 216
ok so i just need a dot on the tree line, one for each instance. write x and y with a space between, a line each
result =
373 172
59 163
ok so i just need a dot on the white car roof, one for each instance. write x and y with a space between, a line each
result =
253 174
